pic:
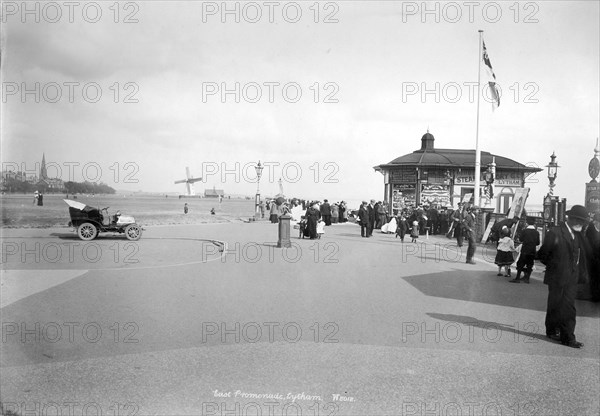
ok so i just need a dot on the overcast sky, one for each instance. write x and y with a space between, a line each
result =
365 63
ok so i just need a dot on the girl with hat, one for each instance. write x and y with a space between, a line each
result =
504 256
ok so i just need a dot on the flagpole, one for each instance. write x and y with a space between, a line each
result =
477 154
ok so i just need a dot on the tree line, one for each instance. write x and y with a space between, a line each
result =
12 185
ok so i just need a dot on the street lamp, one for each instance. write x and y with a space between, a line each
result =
552 172
259 168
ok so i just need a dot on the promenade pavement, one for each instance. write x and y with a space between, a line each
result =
215 319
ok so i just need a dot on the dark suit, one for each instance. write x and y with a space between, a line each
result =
326 213
402 227
363 217
593 238
434 219
457 218
564 257
371 222
469 228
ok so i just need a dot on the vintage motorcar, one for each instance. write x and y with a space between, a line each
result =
89 222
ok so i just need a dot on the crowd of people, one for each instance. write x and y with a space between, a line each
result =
310 216
570 252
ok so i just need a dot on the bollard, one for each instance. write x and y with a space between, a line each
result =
284 231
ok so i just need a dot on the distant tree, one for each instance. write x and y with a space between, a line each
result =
88 188
14 185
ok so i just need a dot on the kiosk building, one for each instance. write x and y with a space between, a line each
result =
443 176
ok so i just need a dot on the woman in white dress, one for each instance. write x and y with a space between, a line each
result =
390 227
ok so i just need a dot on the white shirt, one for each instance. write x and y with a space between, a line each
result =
506 244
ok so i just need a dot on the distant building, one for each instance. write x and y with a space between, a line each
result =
46 183
443 176
41 183
214 193
17 176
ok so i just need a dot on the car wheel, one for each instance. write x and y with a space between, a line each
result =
87 231
133 232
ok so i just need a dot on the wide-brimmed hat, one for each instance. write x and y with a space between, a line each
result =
578 211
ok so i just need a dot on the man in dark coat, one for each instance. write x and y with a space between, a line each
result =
458 219
363 218
592 235
326 212
530 239
470 230
563 253
402 226
434 217
372 218
443 220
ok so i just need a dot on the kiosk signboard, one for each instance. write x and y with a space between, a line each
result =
592 196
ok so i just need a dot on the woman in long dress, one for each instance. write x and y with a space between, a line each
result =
390 227
313 214
274 215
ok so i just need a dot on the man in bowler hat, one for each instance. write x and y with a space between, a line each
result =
563 252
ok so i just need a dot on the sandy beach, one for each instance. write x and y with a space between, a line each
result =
18 211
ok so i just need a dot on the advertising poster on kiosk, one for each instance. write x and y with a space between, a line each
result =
518 203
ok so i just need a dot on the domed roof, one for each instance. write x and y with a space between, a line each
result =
427 141
428 155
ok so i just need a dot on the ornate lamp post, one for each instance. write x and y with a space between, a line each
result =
552 172
259 168
551 212
592 188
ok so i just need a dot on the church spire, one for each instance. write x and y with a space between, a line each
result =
43 173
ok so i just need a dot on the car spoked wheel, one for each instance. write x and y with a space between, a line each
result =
87 231
133 232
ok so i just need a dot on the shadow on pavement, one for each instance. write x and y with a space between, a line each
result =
73 236
485 287
538 332
357 235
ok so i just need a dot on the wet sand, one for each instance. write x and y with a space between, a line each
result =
18 211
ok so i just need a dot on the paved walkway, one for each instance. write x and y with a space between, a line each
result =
344 325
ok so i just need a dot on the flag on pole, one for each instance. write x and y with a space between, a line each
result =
492 79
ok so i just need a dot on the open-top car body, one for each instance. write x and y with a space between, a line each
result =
89 222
